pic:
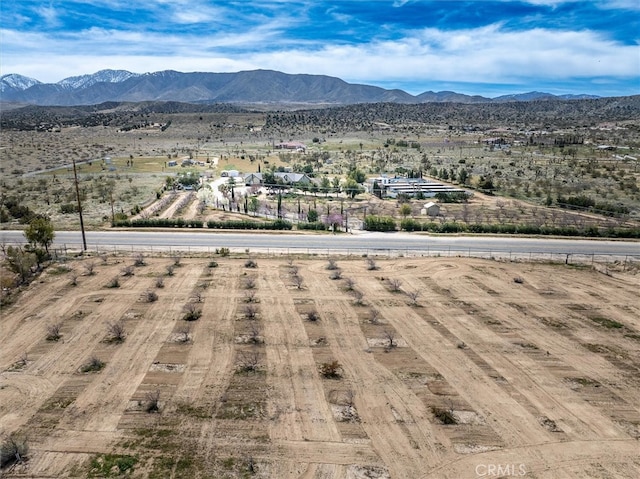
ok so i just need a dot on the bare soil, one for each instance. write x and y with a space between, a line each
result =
541 377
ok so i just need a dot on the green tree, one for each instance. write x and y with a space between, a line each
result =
463 175
335 183
312 216
352 188
19 261
405 210
357 175
40 233
254 204
325 184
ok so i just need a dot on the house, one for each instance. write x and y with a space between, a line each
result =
287 178
292 145
230 174
253 179
430 209
392 187
293 178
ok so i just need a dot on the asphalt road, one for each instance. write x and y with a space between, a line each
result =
360 242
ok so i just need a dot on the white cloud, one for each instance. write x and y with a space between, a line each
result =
484 55
49 15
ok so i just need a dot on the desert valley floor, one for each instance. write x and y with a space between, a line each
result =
419 368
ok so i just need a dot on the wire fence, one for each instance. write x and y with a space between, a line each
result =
626 260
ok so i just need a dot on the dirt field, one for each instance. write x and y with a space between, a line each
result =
491 369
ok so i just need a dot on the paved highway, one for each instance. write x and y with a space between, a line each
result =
359 242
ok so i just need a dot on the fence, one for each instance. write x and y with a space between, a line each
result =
440 251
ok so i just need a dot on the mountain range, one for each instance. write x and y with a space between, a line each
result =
245 87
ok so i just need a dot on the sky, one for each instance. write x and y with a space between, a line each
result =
482 47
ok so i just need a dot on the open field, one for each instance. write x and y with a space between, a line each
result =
444 367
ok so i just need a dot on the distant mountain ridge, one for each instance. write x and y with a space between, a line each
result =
254 86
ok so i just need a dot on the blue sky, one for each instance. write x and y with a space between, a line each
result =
485 47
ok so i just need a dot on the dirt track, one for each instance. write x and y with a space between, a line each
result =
541 376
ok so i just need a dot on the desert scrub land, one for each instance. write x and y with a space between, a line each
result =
244 366
571 163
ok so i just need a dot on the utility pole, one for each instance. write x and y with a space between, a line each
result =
75 176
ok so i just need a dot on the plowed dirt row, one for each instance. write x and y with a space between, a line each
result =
444 367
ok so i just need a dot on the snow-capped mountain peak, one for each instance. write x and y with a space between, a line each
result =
103 76
14 81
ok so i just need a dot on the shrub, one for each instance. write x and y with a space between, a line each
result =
331 370
110 465
150 296
250 264
53 332
152 401
127 271
92 365
250 225
313 316
14 449
315 226
379 223
116 332
445 416
191 312
139 260
331 265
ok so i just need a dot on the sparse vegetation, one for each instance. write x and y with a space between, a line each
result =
127 271
192 312
297 281
606 322
152 401
445 416
336 274
331 370
413 297
394 285
250 311
54 332
139 260
13 450
390 337
331 264
116 332
89 268
93 365
249 362
184 334
111 465
150 296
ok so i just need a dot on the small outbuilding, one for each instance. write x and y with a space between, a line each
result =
431 209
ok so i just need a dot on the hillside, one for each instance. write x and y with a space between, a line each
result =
256 86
